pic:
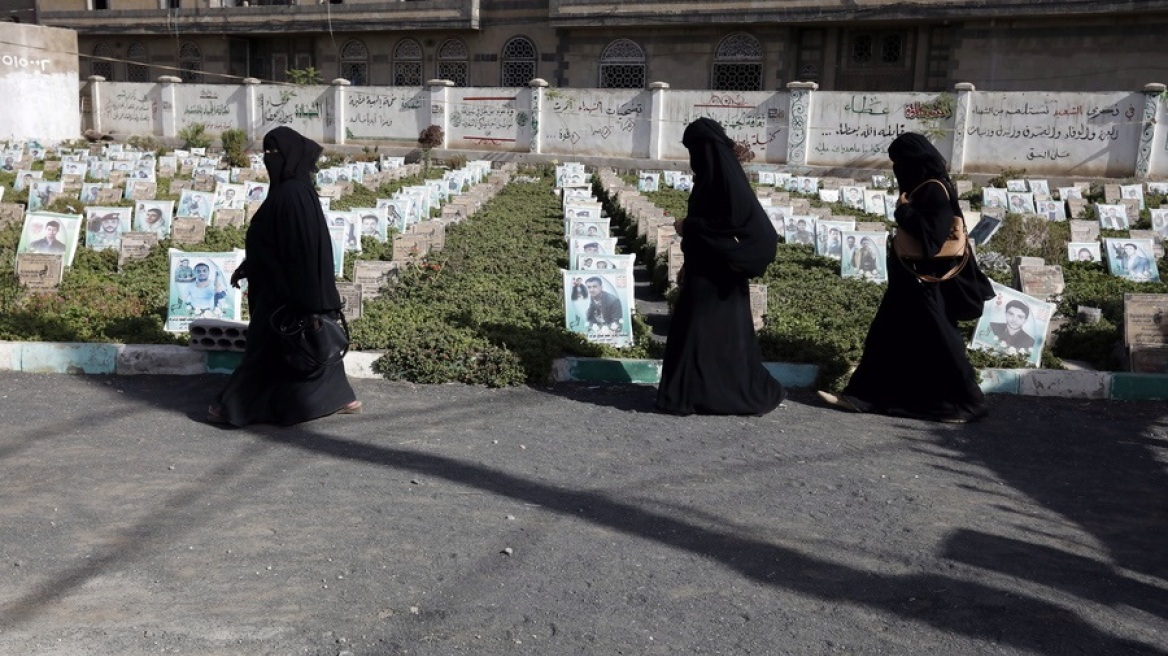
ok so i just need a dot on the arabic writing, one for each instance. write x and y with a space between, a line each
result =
484 118
130 107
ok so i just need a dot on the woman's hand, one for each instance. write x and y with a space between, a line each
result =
239 274
902 200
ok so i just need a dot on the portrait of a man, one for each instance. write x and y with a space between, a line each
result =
1009 333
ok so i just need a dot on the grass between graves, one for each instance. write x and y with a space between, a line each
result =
815 316
489 308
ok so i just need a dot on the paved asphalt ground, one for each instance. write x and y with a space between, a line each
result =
573 520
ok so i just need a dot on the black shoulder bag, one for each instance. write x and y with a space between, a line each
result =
311 341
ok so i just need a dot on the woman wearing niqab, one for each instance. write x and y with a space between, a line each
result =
713 362
289 262
914 362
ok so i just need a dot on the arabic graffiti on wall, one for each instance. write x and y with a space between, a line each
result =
758 119
1044 131
855 129
129 107
596 122
306 109
217 107
386 112
496 118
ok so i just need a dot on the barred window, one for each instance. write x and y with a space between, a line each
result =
355 63
407 64
452 62
190 61
136 68
518 63
877 49
738 64
622 66
102 67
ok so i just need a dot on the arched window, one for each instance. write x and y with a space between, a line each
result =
136 68
355 63
407 64
102 67
518 63
190 61
738 64
622 66
452 64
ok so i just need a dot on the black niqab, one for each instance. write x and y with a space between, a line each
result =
713 362
289 251
725 218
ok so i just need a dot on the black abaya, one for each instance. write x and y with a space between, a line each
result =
713 363
289 262
914 362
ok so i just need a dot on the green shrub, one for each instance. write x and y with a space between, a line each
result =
195 136
235 146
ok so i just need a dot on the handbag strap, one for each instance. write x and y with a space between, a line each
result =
956 269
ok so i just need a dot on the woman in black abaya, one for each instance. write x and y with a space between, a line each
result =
713 363
914 362
289 262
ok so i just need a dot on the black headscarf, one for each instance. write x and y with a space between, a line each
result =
931 210
725 217
289 155
289 250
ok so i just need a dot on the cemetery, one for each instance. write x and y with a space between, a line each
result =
475 273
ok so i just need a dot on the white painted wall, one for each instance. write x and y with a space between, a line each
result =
306 109
399 113
491 118
757 118
605 122
39 83
219 107
1084 134
130 108
1073 134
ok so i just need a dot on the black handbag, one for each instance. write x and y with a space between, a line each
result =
311 341
966 293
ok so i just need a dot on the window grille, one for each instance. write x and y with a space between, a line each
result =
622 66
407 64
518 63
738 64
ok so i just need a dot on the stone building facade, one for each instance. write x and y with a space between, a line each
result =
874 45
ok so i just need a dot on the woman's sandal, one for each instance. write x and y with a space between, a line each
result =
353 408
215 415
842 401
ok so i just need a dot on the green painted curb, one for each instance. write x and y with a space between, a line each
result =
1139 387
223 362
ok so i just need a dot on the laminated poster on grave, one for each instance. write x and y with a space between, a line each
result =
863 256
603 246
373 222
1131 259
619 262
136 246
196 203
40 273
598 305
829 237
200 288
50 233
373 275
351 296
800 230
591 229
1145 319
1084 251
346 220
337 236
104 226
1013 323
647 181
1112 217
1159 221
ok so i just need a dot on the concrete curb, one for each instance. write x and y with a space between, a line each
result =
151 359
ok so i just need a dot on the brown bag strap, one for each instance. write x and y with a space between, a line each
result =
965 254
